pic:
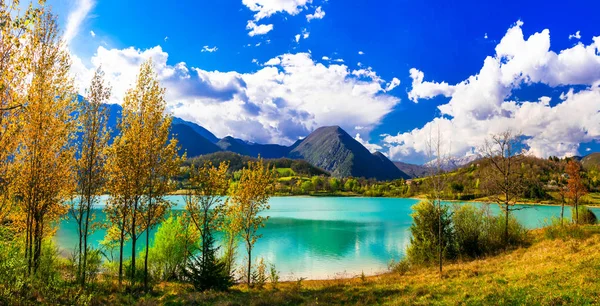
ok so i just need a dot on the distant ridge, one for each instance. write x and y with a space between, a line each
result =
412 170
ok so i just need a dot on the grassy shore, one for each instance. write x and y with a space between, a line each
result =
548 272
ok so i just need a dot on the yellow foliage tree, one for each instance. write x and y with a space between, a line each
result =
251 196
90 165
142 161
44 159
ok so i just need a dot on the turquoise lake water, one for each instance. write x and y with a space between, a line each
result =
328 237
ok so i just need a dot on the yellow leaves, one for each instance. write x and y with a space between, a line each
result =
205 201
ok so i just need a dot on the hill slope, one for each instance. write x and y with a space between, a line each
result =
191 142
198 129
412 170
591 160
332 149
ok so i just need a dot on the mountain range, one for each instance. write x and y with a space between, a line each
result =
329 148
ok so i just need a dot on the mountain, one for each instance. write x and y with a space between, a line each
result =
453 163
591 160
234 145
198 129
412 170
192 142
332 149
252 149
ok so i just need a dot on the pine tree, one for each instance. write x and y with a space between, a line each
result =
205 272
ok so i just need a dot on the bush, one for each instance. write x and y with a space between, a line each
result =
478 232
586 216
205 272
259 276
401 267
174 242
423 247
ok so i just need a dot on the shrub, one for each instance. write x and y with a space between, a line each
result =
586 216
273 276
401 267
423 247
174 242
478 232
468 227
259 276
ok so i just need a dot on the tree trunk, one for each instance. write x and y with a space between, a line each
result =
146 259
562 212
506 226
440 234
121 243
249 263
85 244
576 211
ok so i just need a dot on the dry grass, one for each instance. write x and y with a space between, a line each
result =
549 272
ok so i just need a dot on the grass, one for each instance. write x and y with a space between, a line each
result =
548 272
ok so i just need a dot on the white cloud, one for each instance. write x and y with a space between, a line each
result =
75 18
393 84
304 35
360 53
254 61
577 35
92 34
266 8
426 90
258 29
485 36
297 37
286 99
588 149
325 58
319 14
481 104
166 38
209 49
370 146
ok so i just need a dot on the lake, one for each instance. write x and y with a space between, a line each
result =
328 237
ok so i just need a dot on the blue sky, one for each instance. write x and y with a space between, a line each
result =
344 66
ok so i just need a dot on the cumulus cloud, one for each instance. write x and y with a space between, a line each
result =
92 33
287 98
255 29
482 105
209 49
325 58
319 14
393 84
426 90
75 18
577 35
361 53
266 8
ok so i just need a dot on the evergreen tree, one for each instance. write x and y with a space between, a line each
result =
205 272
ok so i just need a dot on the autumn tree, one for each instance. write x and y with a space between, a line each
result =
205 204
93 142
575 187
15 25
504 182
143 159
251 194
44 157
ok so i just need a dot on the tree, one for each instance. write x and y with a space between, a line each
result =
576 188
45 157
90 165
205 204
251 194
437 181
15 26
142 161
504 182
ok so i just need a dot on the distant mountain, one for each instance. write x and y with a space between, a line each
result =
198 129
591 160
253 149
332 149
234 145
192 142
412 170
455 162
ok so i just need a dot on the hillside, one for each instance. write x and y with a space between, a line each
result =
198 129
590 161
332 149
191 142
252 149
414 171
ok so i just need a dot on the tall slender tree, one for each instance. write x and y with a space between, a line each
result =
252 194
91 176
504 182
45 154
575 186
